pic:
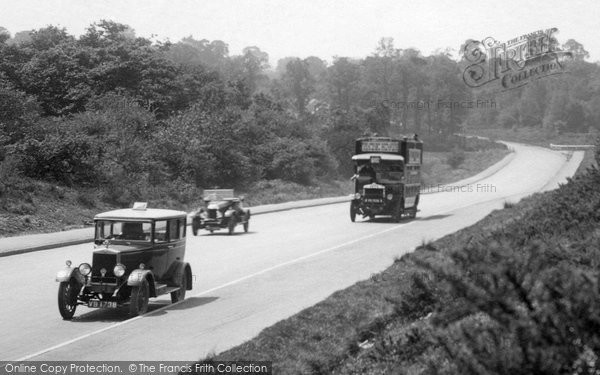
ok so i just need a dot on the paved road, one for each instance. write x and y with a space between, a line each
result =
246 282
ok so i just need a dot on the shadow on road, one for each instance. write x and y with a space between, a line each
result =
102 315
389 220
435 217
189 303
122 313
225 233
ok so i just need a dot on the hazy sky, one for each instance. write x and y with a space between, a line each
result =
321 28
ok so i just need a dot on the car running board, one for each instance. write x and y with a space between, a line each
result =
164 289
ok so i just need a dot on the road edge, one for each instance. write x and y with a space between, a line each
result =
265 209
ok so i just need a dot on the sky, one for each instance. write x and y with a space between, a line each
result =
325 28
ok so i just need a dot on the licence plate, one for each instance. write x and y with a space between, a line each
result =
102 304
371 200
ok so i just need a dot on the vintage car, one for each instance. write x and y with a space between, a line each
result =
138 254
221 210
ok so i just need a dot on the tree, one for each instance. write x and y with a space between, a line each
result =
21 37
53 72
299 83
4 35
18 114
192 52
576 48
342 77
249 68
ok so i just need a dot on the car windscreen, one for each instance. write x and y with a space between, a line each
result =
388 171
123 230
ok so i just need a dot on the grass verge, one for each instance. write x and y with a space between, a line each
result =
516 293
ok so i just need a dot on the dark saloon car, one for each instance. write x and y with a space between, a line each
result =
139 253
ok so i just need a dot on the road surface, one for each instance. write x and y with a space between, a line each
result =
243 283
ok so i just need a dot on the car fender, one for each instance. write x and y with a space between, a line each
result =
70 272
137 276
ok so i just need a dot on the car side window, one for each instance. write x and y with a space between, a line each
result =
181 228
174 229
160 231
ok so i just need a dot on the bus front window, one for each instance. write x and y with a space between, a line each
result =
389 173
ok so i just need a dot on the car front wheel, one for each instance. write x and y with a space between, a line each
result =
231 224
139 299
67 298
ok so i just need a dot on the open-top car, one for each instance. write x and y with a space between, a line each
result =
222 210
139 253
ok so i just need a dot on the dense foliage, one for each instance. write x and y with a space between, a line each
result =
125 113
524 299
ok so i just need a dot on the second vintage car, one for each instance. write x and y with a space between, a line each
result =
139 253
222 210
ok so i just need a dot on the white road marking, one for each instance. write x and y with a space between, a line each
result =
266 270
261 272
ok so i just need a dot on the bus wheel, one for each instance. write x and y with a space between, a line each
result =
413 212
397 214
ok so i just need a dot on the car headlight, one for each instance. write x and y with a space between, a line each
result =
357 196
119 270
390 196
85 269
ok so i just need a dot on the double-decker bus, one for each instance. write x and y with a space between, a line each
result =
387 177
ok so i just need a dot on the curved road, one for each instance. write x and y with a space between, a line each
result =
243 283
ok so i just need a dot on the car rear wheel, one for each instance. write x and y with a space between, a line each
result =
67 298
179 295
139 299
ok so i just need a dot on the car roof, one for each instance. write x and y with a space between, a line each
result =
147 214
382 156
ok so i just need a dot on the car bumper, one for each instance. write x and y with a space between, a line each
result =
211 224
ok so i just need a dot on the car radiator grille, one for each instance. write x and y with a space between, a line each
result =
212 214
106 261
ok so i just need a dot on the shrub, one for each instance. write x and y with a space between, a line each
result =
456 158
68 158
525 299
86 199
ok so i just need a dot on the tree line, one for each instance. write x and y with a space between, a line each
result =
111 109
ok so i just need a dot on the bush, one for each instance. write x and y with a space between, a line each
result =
86 199
526 299
456 158
68 158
